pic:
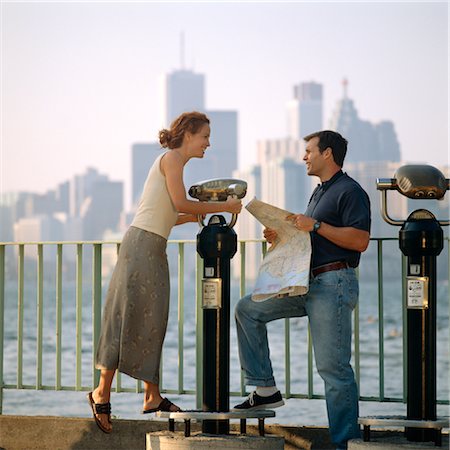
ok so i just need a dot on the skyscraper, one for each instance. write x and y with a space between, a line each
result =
183 90
366 141
305 110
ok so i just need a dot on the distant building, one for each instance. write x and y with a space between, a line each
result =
6 223
366 141
247 227
142 157
38 228
102 209
366 174
81 188
63 197
183 90
270 149
35 229
285 184
305 110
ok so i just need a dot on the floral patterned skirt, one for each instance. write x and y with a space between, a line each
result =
134 320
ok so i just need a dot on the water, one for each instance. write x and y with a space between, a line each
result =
128 405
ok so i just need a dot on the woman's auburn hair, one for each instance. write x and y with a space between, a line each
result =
187 122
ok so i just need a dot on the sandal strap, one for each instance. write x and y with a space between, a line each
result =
102 408
165 404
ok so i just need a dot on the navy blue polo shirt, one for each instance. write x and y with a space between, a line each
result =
340 202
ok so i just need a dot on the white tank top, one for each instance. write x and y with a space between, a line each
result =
156 212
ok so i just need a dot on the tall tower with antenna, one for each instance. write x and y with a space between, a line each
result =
183 90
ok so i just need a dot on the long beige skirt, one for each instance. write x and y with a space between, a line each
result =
136 309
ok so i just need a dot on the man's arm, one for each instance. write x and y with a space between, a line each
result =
349 238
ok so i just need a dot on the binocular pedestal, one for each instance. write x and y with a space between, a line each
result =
216 244
421 240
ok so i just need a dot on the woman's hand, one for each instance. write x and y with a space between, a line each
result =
270 235
233 205
185 218
198 216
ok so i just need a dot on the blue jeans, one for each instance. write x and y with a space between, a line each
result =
329 304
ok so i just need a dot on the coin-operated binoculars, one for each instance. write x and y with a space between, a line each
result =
421 240
216 244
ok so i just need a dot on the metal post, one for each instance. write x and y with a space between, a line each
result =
421 239
216 244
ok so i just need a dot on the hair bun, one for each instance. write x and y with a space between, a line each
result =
165 137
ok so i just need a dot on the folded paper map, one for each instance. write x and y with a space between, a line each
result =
285 268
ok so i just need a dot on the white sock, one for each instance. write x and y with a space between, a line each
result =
266 391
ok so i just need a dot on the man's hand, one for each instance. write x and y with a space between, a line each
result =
270 235
302 222
349 238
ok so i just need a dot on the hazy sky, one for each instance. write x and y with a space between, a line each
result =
80 80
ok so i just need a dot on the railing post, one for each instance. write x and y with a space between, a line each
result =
79 316
380 317
20 295
96 307
180 316
39 314
199 333
2 318
242 293
59 255
287 357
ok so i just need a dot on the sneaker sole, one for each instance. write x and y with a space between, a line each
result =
265 406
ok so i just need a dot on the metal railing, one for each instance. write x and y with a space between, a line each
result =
16 283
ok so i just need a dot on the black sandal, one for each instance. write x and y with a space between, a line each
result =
100 408
163 406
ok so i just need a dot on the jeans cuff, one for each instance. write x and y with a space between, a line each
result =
260 382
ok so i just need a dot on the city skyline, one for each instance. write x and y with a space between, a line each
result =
79 91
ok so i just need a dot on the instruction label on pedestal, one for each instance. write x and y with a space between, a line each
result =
212 293
417 292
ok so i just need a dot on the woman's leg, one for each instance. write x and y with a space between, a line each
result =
152 397
102 394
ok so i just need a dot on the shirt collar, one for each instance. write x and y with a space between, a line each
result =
326 184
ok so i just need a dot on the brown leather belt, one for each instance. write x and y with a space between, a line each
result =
329 267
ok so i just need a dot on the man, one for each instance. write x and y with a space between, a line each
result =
338 218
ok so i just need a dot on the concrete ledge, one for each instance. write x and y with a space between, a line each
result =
394 441
165 440
67 433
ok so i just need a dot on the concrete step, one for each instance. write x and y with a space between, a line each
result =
68 433
166 440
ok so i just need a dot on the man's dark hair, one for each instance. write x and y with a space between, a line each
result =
333 140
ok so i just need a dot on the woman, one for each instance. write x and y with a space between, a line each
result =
137 304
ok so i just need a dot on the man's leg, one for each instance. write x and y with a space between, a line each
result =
254 354
331 300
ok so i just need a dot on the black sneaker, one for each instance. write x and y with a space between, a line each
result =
255 401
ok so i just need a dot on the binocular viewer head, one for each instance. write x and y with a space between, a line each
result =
419 182
218 190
